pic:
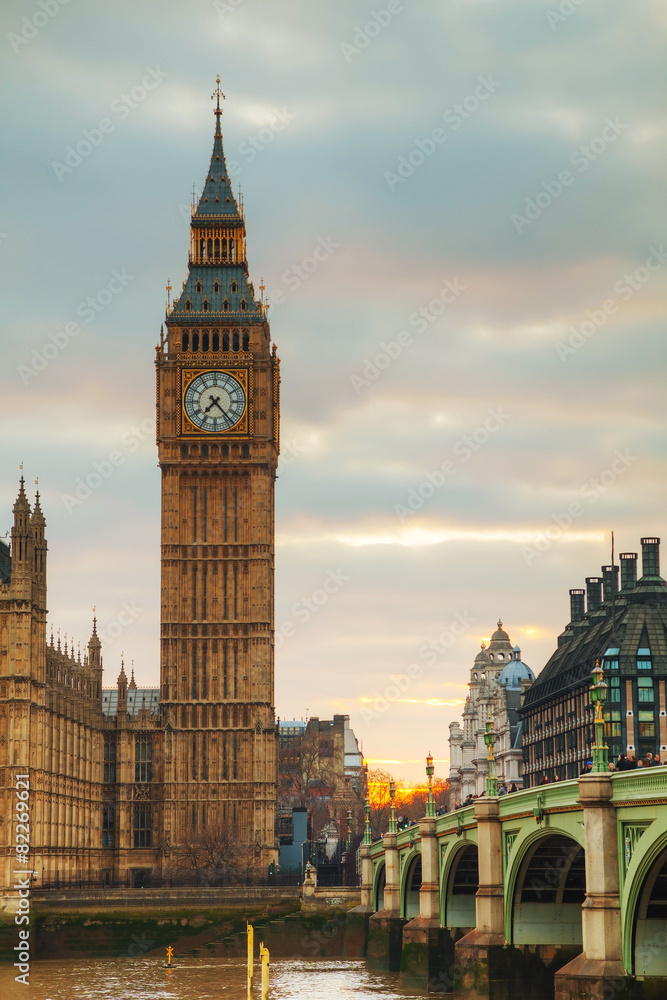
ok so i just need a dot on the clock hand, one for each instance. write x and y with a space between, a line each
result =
214 402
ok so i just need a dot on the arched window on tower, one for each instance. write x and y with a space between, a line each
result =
231 249
235 341
216 249
225 306
225 341
216 341
198 288
235 287
185 341
243 305
188 305
205 306
202 249
205 342
209 248
246 341
216 287
195 341
224 249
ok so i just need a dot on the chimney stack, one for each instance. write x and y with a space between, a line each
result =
576 605
650 558
609 582
628 570
593 592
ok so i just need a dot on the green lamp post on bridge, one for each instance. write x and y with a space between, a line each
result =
430 804
349 830
490 737
598 696
392 812
368 837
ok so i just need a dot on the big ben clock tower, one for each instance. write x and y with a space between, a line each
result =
217 433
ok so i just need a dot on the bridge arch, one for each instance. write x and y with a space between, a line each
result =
546 886
379 882
459 885
644 903
411 882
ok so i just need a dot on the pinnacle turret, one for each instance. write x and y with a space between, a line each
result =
21 505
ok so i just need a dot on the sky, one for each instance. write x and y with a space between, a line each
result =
473 361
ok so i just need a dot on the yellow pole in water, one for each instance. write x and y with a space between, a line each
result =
264 955
170 952
251 958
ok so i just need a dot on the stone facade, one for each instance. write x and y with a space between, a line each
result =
497 680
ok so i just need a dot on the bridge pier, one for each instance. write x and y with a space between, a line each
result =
482 956
427 958
356 922
385 928
598 972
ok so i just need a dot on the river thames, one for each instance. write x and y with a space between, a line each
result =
197 979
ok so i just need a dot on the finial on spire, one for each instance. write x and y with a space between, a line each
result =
169 289
215 96
500 624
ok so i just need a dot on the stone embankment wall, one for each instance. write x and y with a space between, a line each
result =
132 923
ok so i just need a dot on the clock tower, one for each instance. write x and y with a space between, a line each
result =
217 436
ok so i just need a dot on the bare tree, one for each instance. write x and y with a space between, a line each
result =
214 854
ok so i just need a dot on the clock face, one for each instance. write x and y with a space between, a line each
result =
214 401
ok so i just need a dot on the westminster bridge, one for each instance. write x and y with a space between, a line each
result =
559 887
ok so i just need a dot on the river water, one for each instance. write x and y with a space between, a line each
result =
197 979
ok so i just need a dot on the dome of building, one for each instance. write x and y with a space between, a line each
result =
500 635
500 648
515 672
482 657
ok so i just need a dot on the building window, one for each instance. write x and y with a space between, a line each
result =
142 826
643 658
108 826
109 760
646 725
194 757
216 287
560 743
235 287
188 305
645 690
612 725
225 306
198 288
143 756
615 689
538 750
205 305
611 658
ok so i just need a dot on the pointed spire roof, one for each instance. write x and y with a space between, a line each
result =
37 515
132 681
217 197
21 506
94 639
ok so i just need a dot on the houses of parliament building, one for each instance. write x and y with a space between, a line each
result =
120 778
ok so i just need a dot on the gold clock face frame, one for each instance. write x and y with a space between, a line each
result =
216 402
